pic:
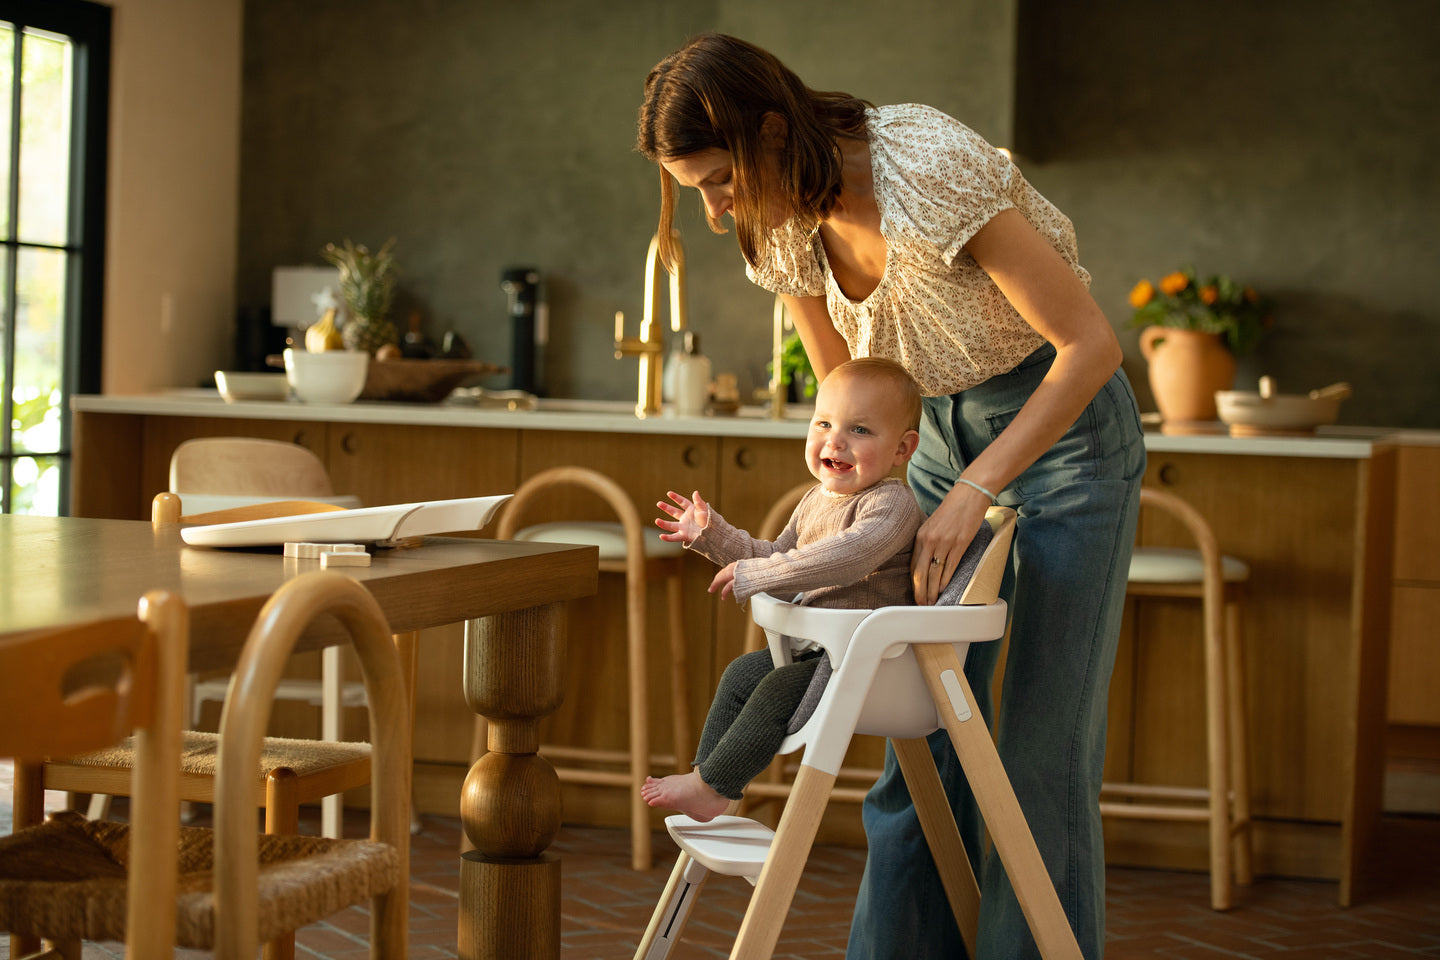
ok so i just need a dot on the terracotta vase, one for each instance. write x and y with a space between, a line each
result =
1186 368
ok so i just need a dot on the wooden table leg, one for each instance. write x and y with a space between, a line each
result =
27 809
510 805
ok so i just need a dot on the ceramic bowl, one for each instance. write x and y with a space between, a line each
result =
238 385
1262 412
335 376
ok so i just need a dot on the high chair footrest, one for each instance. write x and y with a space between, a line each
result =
733 846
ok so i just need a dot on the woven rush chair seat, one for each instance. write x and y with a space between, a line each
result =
200 761
302 880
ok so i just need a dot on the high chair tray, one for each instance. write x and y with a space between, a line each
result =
363 525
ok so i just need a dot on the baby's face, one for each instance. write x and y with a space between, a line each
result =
857 435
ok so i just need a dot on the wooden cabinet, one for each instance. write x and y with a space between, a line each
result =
1414 698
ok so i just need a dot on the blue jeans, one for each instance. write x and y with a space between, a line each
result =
1065 585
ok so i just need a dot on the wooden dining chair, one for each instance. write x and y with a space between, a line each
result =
237 888
79 688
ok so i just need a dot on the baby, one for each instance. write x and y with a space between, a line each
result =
847 544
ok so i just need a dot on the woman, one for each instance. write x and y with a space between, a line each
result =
899 232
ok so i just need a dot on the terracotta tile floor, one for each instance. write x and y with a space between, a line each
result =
1151 914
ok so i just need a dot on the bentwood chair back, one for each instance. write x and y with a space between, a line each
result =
78 688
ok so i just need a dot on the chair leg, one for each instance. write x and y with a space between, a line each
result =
332 808
1239 747
937 820
679 671
640 852
1218 753
1005 821
774 890
676 901
282 815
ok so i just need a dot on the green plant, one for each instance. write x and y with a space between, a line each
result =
1218 305
795 366
367 281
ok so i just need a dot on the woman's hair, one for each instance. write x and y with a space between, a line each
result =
715 93
903 388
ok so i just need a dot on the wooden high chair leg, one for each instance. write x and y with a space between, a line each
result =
1005 821
942 834
1239 751
770 902
282 815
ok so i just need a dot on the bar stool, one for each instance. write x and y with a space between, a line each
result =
636 550
1218 582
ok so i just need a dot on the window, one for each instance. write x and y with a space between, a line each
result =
54 79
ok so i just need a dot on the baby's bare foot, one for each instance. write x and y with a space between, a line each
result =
684 792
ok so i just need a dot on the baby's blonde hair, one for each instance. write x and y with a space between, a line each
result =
892 374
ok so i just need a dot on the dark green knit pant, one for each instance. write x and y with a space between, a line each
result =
746 723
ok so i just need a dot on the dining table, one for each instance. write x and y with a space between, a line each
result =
58 571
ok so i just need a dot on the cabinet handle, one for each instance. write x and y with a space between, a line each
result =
691 456
744 458
300 438
1167 474
349 444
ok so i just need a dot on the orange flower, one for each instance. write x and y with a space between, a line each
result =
1251 295
1173 283
1208 294
1141 294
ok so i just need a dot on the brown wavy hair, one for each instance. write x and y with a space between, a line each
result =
715 93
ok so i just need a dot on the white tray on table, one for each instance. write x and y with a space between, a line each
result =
380 525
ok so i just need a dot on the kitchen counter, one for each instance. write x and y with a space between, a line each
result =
617 416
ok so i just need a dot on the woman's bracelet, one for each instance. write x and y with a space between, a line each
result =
971 483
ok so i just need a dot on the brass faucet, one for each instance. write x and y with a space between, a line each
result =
650 345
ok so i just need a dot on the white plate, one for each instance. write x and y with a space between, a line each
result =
365 525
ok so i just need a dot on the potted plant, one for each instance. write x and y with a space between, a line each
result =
367 283
1193 332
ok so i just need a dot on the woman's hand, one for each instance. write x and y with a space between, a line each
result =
725 580
944 537
691 517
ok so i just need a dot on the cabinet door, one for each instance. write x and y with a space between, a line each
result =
1414 640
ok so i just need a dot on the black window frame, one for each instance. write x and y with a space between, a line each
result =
88 26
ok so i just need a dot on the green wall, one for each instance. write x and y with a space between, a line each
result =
1292 146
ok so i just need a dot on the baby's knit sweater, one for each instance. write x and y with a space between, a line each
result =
850 550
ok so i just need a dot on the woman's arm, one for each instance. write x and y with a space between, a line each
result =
823 343
1041 286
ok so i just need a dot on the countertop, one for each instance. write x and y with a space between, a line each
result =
617 416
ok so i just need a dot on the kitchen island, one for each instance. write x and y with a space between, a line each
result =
1312 516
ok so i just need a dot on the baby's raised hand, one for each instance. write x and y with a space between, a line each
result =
724 581
690 517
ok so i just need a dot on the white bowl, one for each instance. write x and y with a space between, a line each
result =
237 385
335 376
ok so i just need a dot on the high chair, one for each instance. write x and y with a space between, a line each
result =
633 548
898 673
1217 581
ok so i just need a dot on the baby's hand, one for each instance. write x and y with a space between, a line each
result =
691 516
725 580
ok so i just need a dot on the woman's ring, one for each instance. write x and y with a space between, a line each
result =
937 562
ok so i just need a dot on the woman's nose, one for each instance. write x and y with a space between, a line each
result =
716 204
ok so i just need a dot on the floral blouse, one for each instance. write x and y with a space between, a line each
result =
937 182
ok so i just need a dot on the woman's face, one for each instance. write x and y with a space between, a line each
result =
712 172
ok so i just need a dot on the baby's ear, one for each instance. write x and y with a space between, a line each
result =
909 443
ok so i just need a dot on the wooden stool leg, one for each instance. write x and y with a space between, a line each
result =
332 808
1239 747
679 671
942 834
27 810
640 853
1217 749
775 888
945 677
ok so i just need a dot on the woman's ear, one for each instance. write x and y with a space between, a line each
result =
773 131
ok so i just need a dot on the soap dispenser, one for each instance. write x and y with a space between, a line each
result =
692 379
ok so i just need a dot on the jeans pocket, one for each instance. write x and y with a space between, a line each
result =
1076 457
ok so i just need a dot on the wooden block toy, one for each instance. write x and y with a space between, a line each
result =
343 559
